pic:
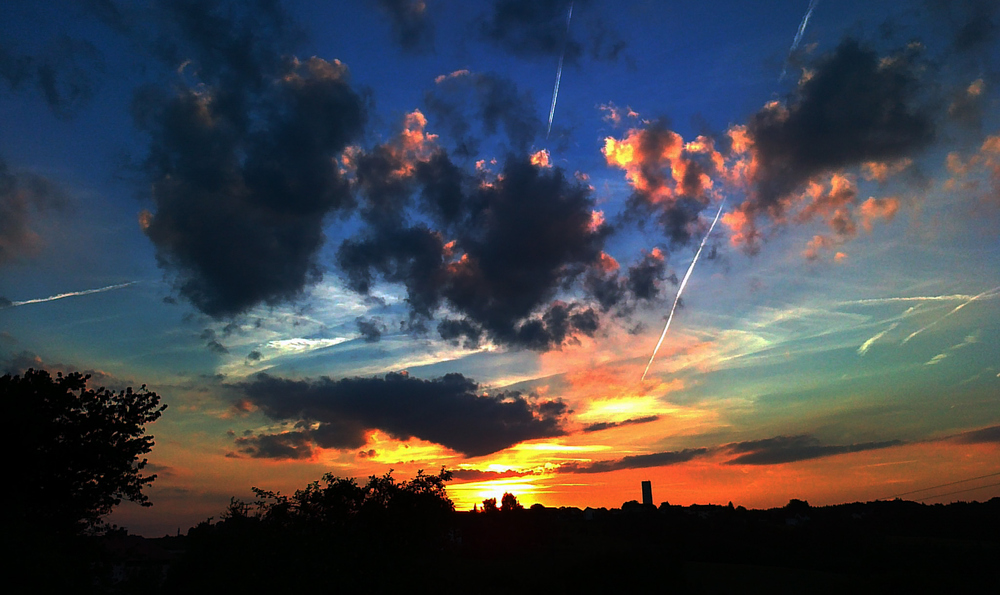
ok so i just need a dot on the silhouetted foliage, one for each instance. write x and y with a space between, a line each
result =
490 505
509 503
333 529
77 453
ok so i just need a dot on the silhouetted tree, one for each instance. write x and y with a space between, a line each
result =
490 505
76 455
509 503
332 527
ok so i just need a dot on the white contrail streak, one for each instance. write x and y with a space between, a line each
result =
60 296
956 309
555 90
798 35
867 344
680 289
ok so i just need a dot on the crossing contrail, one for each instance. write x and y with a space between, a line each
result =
60 296
555 91
956 309
867 344
798 35
680 289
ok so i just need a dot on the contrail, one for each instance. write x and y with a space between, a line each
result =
60 296
867 344
798 35
956 309
555 91
680 289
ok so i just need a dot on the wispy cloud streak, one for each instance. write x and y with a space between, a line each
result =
60 296
798 35
680 289
988 292
867 344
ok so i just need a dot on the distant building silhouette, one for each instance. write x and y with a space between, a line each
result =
647 493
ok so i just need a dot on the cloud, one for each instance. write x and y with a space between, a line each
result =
65 73
477 475
370 329
607 425
973 24
855 108
451 411
990 435
243 164
501 273
672 181
656 459
493 100
789 449
289 445
410 26
532 28
22 197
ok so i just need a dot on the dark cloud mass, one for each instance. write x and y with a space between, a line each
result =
530 28
370 329
410 26
450 411
66 73
981 436
656 459
243 165
493 100
23 196
516 242
855 108
607 425
788 449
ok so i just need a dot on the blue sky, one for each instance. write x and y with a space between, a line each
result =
305 216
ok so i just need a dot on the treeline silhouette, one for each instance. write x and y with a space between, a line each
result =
390 536
80 455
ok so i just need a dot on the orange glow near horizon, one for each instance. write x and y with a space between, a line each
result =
863 476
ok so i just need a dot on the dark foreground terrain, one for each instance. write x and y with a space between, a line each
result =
876 547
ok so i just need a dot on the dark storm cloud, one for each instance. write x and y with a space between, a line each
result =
856 107
243 165
789 449
370 329
656 459
982 436
641 285
410 26
494 101
645 277
412 256
22 198
289 445
517 242
607 425
65 73
530 28
450 411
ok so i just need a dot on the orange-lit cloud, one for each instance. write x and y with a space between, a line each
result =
541 159
878 208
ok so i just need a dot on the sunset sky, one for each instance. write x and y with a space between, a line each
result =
339 237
